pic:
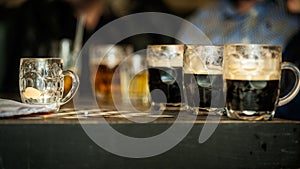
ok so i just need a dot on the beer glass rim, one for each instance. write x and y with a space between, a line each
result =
42 59
204 45
111 45
158 45
252 44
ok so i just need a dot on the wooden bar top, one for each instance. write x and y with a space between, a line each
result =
56 142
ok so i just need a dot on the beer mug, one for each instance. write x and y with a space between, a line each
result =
105 74
41 81
165 76
134 80
203 79
252 73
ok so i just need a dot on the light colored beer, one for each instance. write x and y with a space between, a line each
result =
138 88
67 84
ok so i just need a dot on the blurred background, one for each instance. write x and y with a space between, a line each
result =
34 28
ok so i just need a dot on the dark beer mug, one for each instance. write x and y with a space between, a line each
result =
165 76
252 73
203 79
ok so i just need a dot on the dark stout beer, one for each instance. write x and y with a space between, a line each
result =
252 95
209 88
168 80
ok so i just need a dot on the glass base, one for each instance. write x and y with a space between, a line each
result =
203 111
167 106
250 115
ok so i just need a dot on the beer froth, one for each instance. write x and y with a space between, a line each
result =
252 62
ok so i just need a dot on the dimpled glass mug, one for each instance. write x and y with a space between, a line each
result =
41 81
252 73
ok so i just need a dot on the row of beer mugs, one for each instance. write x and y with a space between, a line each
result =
240 80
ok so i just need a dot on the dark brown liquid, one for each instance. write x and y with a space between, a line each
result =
256 95
169 81
203 90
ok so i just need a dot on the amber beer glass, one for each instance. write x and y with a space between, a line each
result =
252 73
134 81
105 75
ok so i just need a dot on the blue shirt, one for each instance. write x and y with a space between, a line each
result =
267 22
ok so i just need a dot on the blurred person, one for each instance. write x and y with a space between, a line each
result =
291 54
292 51
243 21
38 24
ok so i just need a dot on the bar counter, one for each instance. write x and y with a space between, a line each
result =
47 141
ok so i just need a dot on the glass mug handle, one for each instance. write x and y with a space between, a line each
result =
74 88
293 93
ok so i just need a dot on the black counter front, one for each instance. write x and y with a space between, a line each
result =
43 142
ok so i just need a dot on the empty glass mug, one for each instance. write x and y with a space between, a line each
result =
41 81
252 73
165 76
203 79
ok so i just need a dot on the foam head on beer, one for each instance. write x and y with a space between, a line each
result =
203 59
165 55
252 62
